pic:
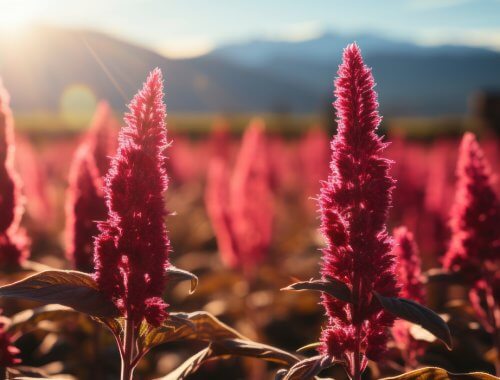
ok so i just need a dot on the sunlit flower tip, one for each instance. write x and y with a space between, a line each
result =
131 251
354 203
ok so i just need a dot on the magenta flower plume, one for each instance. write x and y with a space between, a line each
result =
85 205
252 202
475 241
131 252
216 200
354 204
408 267
474 249
240 204
14 245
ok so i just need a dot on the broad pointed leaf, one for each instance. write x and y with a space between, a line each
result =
74 289
310 346
334 288
413 312
306 369
199 326
175 274
434 373
189 366
231 347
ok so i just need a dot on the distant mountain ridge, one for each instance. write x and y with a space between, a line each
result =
328 46
255 76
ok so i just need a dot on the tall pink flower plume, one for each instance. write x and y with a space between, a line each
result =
85 203
131 252
474 248
14 244
354 204
240 206
85 206
216 200
475 213
408 267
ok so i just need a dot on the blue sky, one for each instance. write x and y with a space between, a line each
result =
190 27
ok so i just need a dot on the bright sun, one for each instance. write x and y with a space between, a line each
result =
18 14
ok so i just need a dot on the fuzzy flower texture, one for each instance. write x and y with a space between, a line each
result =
354 204
14 244
131 252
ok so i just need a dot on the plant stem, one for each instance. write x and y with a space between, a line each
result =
494 315
357 325
357 357
128 351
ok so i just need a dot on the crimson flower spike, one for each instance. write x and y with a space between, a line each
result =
85 205
131 251
14 245
251 199
475 242
240 204
474 249
354 204
408 267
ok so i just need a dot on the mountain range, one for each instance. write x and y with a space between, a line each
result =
253 76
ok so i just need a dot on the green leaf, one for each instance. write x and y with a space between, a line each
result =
231 347
434 373
28 320
414 312
74 289
306 369
175 275
199 326
331 286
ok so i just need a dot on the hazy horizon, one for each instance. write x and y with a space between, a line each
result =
190 28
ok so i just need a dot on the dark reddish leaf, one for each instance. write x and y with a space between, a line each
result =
231 347
413 312
306 369
334 288
74 289
175 275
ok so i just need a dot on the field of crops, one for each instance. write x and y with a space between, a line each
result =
240 247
